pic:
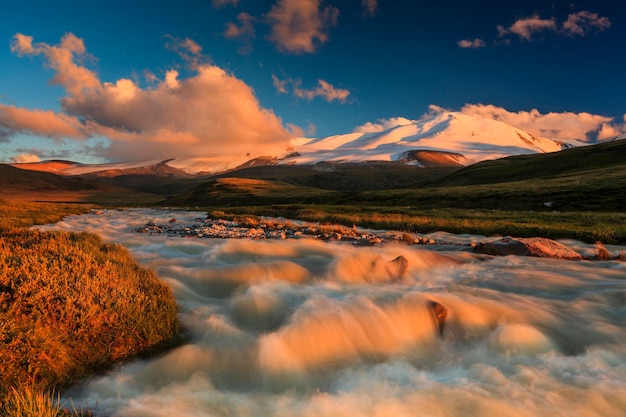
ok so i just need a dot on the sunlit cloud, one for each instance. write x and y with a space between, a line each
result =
324 90
211 112
382 125
369 7
299 26
244 31
528 26
25 158
41 122
582 23
186 48
581 126
220 3
473 43
280 85
585 127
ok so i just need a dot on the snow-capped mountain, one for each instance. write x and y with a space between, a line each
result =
445 138
475 139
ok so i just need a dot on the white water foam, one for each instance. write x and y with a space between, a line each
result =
308 328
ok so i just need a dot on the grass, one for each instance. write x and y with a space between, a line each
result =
585 226
70 305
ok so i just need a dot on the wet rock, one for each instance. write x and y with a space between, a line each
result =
439 313
535 246
398 268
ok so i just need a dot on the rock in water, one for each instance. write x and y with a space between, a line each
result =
439 314
397 268
534 246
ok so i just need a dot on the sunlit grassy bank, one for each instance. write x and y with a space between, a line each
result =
70 305
585 226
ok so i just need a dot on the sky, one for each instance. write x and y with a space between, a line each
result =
113 81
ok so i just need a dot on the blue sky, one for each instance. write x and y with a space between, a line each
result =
111 80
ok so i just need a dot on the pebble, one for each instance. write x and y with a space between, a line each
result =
227 229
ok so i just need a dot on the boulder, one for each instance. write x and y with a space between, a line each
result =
534 246
398 268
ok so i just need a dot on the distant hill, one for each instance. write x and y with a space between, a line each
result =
15 180
589 178
30 185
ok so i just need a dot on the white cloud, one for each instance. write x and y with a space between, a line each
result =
583 22
299 26
474 43
382 125
564 126
561 126
209 113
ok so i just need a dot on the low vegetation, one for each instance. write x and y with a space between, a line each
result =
585 226
70 305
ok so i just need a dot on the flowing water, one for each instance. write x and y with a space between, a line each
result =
310 328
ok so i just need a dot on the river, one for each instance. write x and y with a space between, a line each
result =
303 327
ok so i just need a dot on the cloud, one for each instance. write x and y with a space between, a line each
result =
41 122
76 79
369 7
186 48
560 126
244 31
582 23
563 126
209 113
382 125
323 89
475 43
25 158
526 27
220 3
245 28
280 85
299 26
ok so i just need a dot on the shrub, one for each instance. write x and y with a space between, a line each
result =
71 305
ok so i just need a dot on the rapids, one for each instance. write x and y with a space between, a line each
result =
310 328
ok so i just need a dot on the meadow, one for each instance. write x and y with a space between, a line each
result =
70 306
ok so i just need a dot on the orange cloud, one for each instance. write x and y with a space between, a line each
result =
583 22
220 3
324 90
580 23
475 43
41 122
298 26
209 113
369 7
526 27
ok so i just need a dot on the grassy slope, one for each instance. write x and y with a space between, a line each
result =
587 186
24 186
70 305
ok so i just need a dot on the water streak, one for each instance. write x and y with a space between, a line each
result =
307 328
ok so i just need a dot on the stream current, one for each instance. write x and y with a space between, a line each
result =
303 327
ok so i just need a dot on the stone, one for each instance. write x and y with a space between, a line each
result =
534 246
397 268
439 313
